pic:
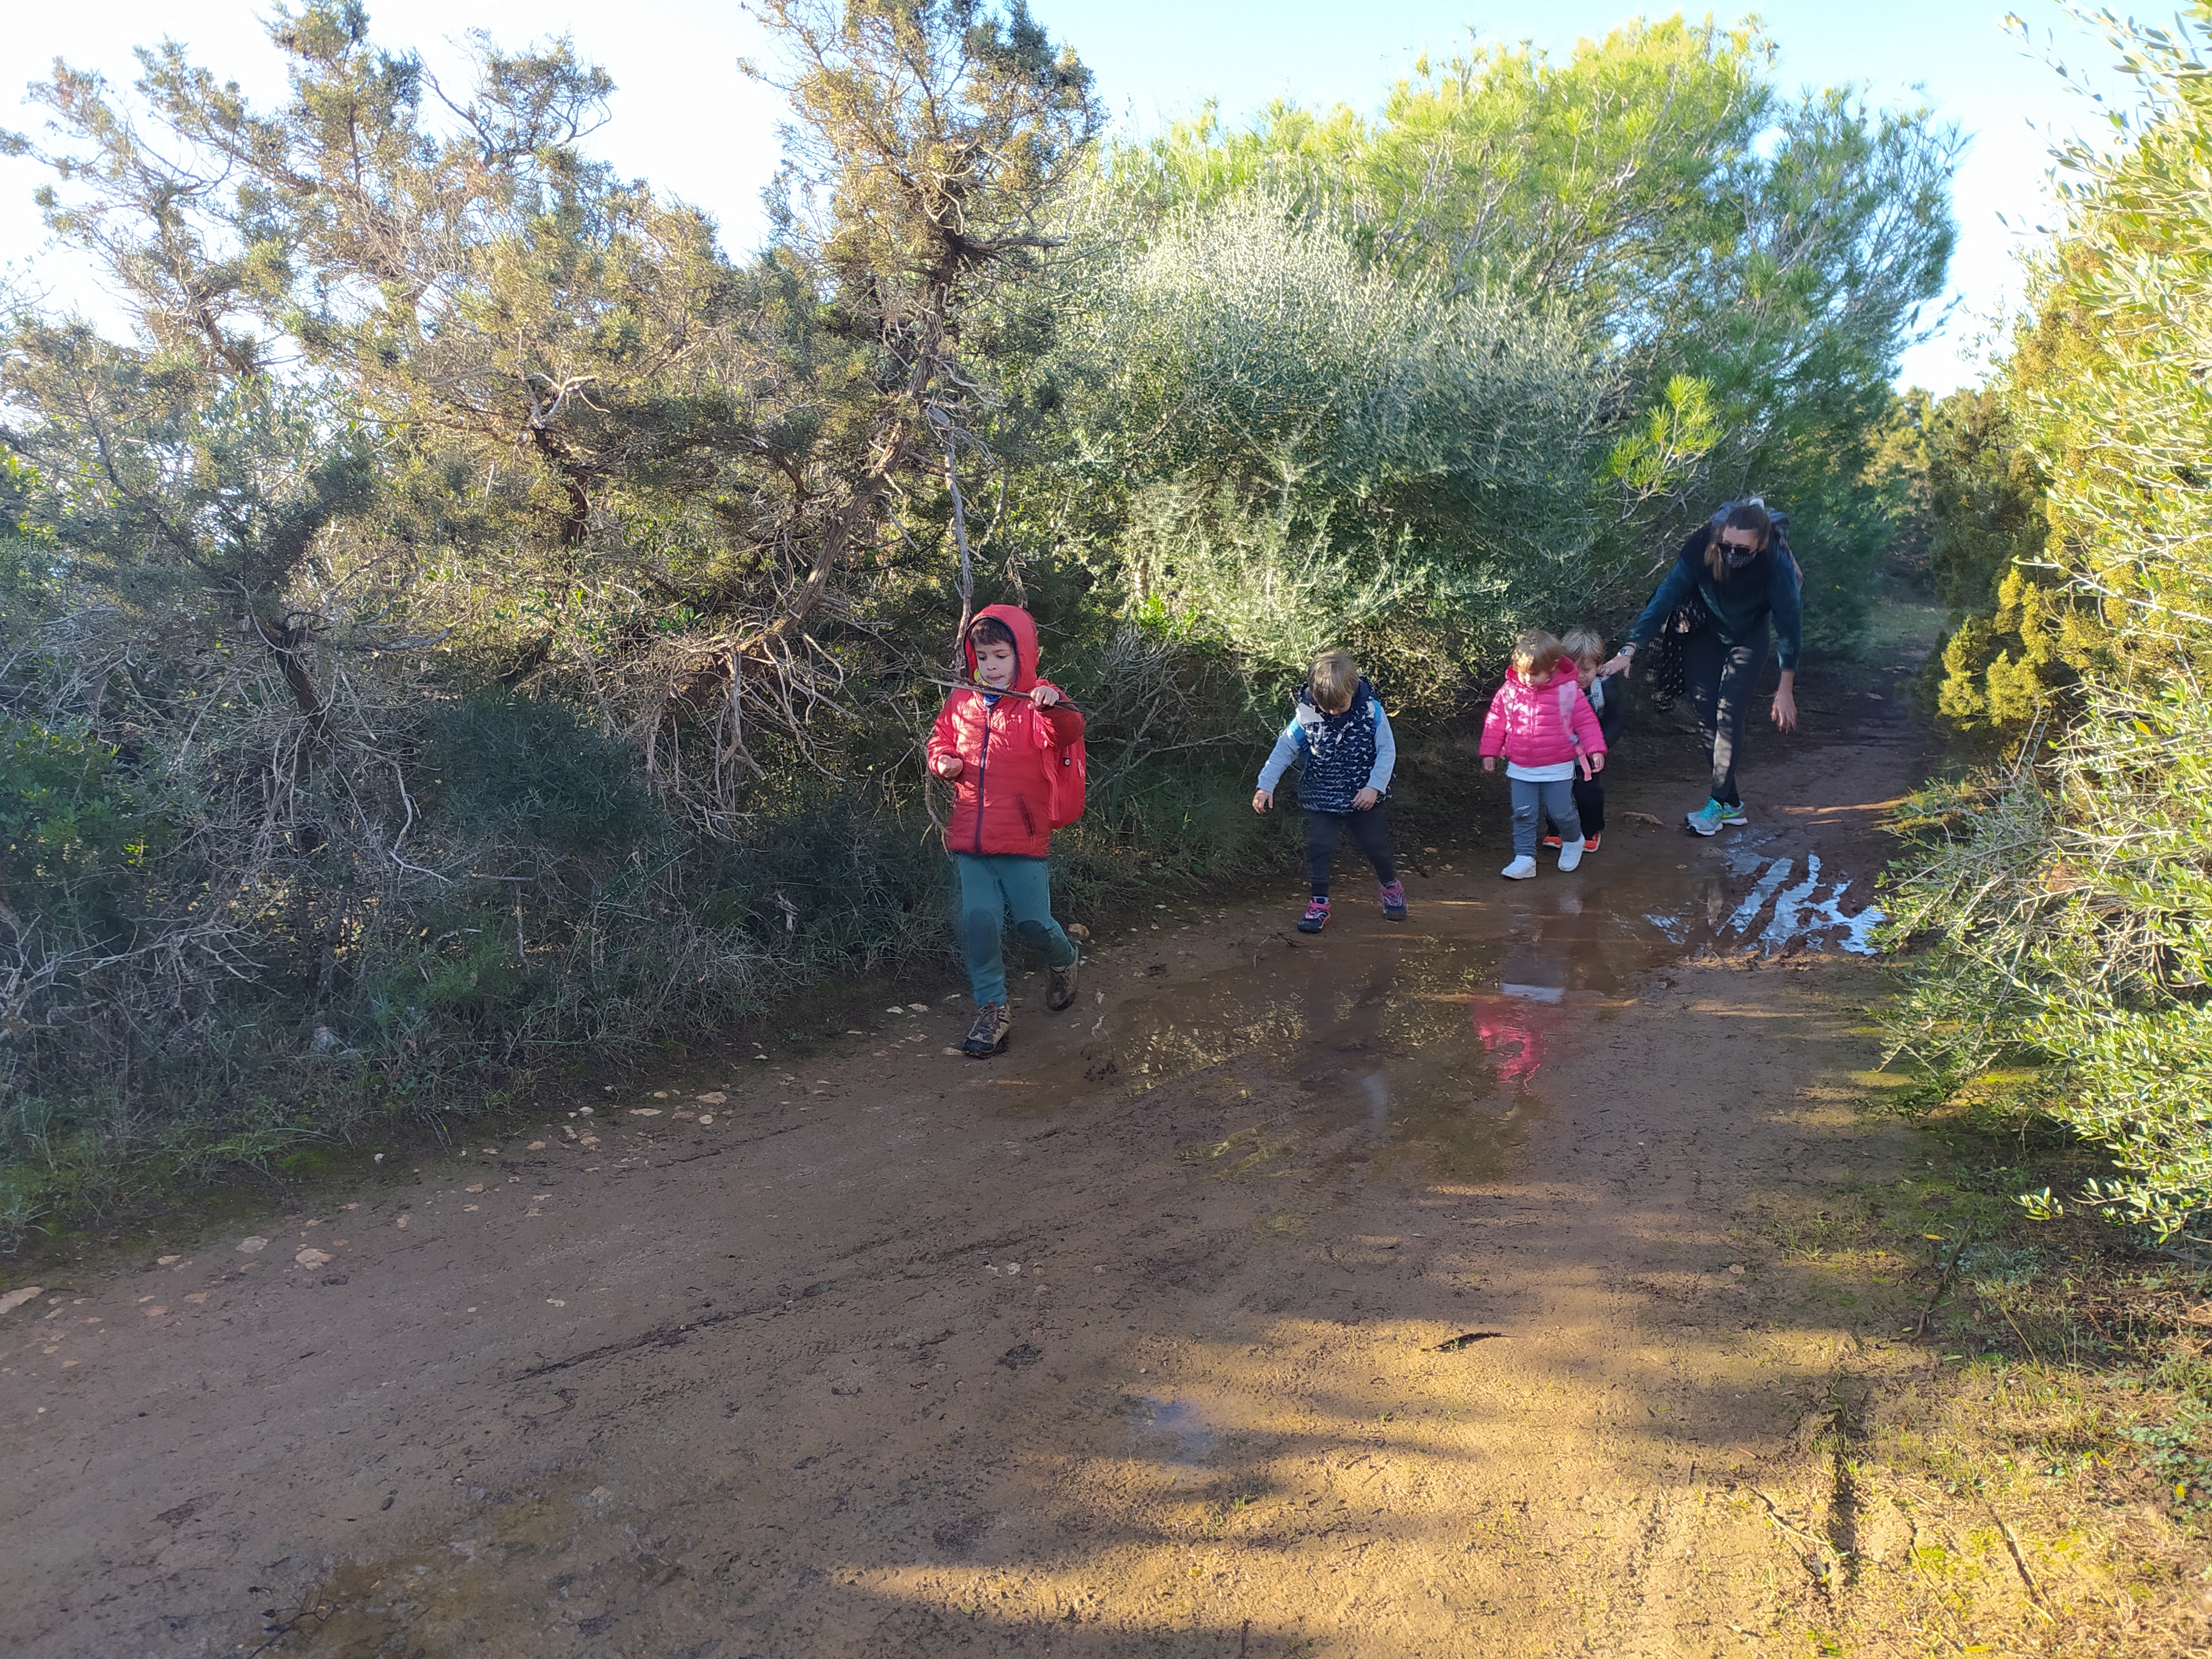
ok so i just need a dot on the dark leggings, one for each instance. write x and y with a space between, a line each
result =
1589 803
1722 680
1369 828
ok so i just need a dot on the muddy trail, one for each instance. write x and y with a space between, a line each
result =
1387 1292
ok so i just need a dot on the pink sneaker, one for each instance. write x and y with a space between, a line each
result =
1393 895
1315 918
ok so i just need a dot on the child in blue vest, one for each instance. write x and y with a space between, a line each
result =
1339 726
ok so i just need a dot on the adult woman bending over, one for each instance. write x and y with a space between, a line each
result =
1730 571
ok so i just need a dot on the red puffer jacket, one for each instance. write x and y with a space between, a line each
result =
1542 725
1003 796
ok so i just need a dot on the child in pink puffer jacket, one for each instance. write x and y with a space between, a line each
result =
1543 726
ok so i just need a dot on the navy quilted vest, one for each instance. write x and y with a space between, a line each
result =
1340 752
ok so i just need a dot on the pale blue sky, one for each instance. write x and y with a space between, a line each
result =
684 119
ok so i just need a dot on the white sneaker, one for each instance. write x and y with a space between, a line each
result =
1522 868
1570 854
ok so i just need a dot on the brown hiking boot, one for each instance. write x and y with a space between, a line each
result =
993 1026
1060 982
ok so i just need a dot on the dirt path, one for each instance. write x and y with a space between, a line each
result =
1388 1293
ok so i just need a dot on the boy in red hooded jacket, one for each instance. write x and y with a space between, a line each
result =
1001 744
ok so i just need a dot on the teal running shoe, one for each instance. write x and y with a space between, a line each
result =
1734 817
1708 820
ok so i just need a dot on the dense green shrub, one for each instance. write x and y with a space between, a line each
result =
2069 897
71 833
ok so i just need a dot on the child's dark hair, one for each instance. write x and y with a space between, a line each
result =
991 630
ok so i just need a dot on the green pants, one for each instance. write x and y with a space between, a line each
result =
990 885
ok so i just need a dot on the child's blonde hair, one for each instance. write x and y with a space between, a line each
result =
1535 654
1335 679
1585 645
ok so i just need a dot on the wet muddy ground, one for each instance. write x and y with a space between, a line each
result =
1384 1292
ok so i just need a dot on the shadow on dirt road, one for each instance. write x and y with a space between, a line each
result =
1383 1293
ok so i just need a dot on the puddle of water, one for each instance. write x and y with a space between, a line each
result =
1755 901
1801 914
1535 993
1739 852
1298 1054
1783 925
1365 1040
457 1588
1194 1437
1858 931
1514 1037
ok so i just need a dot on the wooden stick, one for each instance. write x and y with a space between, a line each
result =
2020 1560
1943 1285
986 690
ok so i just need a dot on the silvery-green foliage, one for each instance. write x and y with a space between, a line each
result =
1244 339
1313 450
1278 590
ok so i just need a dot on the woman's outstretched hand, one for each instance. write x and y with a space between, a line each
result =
1785 702
1616 664
1262 800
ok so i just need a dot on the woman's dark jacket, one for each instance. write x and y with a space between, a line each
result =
1740 604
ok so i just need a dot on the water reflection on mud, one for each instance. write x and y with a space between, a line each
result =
1369 1040
1434 1035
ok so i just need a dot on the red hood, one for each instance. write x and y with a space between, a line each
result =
1025 643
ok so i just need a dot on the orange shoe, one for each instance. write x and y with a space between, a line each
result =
1590 843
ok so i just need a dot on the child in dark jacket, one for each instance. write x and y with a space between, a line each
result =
1338 725
1543 725
1003 743
1585 648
